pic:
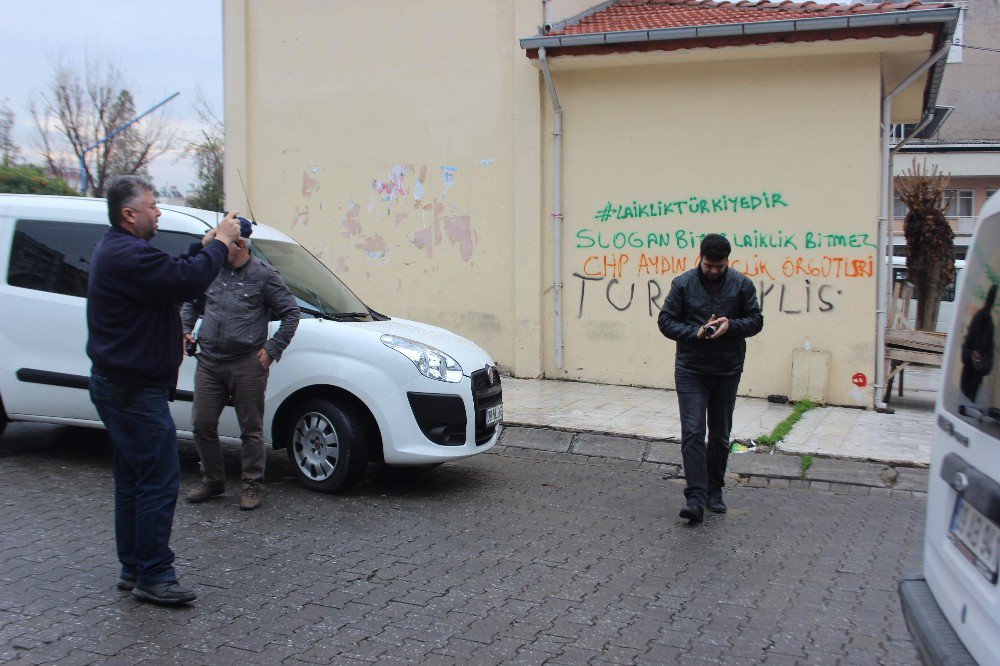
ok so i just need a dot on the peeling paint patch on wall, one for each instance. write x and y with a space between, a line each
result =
375 247
395 187
309 183
301 217
396 212
422 239
460 231
418 190
351 224
448 174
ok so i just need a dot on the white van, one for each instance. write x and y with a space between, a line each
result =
946 311
353 386
953 609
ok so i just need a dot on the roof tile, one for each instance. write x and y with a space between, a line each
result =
657 14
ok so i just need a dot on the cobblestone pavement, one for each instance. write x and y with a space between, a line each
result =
515 556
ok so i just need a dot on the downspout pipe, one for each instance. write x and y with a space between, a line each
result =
557 215
884 267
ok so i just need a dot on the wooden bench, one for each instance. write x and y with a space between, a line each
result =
905 346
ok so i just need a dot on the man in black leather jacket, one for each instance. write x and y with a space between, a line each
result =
710 312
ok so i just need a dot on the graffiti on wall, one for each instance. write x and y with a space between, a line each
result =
627 258
691 205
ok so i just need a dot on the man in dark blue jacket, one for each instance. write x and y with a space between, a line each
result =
134 344
710 312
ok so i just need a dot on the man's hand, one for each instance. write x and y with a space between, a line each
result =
188 340
721 327
264 358
209 237
229 228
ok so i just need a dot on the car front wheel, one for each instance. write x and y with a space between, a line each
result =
327 445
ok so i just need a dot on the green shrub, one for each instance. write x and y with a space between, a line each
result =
30 179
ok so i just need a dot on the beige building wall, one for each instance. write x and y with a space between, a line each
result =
409 146
657 156
399 143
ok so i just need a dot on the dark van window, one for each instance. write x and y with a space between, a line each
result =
972 387
53 256
174 243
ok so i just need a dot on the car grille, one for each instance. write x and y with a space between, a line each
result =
485 394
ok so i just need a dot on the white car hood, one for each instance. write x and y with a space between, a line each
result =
468 354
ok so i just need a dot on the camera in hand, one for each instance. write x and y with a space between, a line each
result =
710 330
191 348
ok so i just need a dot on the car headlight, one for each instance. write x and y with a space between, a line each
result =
430 362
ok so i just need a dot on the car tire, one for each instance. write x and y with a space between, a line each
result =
327 445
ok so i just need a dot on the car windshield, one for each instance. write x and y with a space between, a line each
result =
317 290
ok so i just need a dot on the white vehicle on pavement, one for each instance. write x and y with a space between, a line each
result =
354 386
953 608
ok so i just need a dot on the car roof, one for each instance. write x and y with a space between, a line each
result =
91 210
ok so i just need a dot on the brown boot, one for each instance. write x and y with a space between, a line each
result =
203 491
251 497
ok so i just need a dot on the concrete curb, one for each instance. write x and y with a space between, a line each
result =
775 470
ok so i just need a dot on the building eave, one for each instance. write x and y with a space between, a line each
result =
948 16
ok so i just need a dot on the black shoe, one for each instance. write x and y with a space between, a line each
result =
169 594
126 584
715 504
693 512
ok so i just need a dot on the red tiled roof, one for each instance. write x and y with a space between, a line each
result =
657 14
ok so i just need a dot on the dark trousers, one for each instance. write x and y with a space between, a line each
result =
147 476
705 399
214 382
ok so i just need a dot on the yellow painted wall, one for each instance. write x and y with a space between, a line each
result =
775 135
408 145
383 136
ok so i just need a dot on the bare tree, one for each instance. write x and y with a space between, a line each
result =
78 111
209 156
9 152
930 241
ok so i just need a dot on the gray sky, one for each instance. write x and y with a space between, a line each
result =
161 47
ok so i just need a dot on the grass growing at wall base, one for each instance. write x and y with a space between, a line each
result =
782 429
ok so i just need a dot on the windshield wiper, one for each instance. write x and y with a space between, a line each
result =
316 313
350 316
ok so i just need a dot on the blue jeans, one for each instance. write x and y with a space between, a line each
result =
147 476
705 399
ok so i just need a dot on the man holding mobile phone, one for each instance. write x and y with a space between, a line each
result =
134 343
710 312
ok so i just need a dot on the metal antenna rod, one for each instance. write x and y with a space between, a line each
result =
253 218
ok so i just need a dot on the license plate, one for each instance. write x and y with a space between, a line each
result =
493 415
976 537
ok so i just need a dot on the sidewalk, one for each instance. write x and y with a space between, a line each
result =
849 446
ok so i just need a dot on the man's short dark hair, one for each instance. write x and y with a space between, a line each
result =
715 247
122 192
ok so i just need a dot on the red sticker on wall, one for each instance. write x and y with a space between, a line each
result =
859 380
